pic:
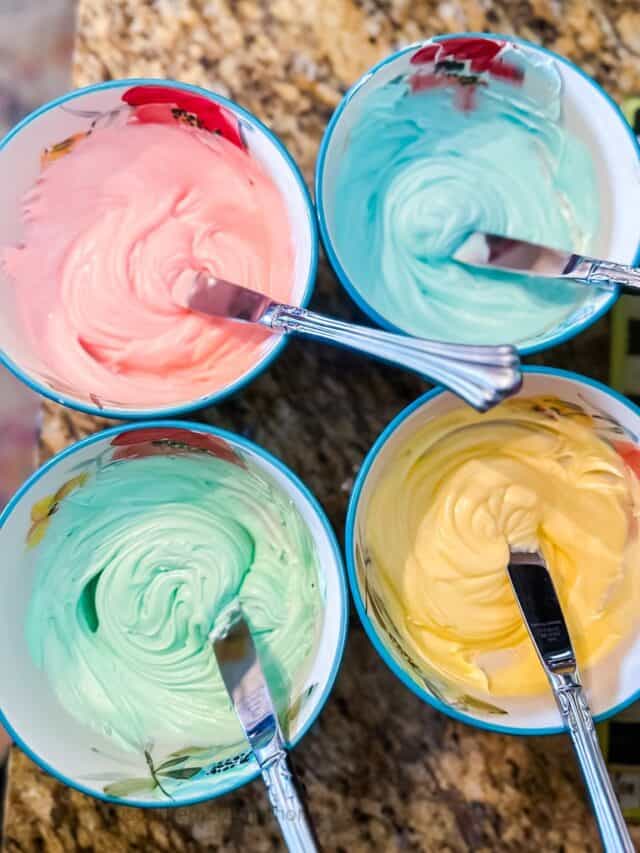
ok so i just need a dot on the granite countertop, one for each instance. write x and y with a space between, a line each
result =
382 770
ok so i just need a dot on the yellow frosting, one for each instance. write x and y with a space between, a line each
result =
531 473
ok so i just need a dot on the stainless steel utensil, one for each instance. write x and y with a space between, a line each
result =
481 375
518 256
545 622
242 674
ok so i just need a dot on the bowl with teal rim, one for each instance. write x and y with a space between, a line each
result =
463 67
169 767
52 131
611 683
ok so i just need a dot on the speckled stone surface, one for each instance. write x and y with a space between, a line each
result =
383 771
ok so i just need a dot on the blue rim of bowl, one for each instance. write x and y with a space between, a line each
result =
355 589
325 236
337 554
210 399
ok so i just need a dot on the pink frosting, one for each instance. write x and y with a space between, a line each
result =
110 228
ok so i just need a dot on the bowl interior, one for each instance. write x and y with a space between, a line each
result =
587 113
611 683
20 166
75 752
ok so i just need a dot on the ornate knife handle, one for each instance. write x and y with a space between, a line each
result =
605 274
481 375
287 805
579 722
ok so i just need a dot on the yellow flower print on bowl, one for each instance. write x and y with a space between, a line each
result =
43 509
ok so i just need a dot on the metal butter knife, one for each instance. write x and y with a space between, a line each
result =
545 622
481 375
242 674
518 256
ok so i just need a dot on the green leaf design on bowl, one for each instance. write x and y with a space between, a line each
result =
127 787
293 712
187 752
180 773
470 703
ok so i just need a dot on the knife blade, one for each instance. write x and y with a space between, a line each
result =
541 611
545 622
242 674
495 251
240 668
208 294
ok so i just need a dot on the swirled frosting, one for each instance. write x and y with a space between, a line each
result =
532 474
418 175
138 566
111 227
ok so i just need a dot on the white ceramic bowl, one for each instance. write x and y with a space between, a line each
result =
75 753
73 113
611 684
588 113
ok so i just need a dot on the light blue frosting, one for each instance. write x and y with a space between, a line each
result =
418 175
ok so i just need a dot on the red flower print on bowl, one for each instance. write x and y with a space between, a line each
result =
162 104
630 455
155 441
464 63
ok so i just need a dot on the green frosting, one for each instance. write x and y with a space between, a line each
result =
139 564
419 174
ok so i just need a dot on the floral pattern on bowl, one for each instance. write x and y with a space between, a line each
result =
157 105
464 63
189 765
155 441
42 510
